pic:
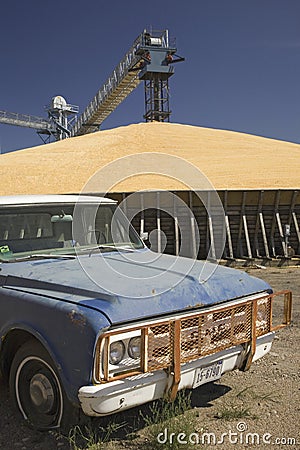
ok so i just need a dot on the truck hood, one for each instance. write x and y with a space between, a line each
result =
131 286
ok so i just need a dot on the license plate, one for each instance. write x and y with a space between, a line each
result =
208 373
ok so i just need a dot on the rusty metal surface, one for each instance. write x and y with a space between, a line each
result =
172 342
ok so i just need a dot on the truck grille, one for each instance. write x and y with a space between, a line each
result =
205 334
168 343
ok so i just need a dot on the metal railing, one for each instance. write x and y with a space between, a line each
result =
170 342
85 122
25 120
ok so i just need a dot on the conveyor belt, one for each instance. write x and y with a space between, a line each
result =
118 86
26 120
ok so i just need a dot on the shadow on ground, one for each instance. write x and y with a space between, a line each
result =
126 425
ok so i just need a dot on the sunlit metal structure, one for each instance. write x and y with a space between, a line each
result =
60 117
149 59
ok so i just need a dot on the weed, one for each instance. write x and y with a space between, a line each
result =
93 440
234 413
244 391
270 396
170 423
162 410
78 437
171 433
160 415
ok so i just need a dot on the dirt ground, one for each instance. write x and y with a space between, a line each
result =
255 409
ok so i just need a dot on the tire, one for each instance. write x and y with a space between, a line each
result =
36 389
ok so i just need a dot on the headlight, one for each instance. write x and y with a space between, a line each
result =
116 352
134 347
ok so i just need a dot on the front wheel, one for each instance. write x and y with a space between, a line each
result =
36 388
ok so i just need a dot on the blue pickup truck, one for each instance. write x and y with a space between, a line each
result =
92 320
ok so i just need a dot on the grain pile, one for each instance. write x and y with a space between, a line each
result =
229 159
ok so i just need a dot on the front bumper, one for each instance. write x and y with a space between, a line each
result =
108 398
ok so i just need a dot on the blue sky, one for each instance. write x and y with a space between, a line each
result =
242 68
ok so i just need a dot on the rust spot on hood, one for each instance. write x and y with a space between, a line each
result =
77 318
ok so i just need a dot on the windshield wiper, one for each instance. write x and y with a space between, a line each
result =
91 250
37 256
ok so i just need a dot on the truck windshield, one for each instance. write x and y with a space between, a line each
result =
64 229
